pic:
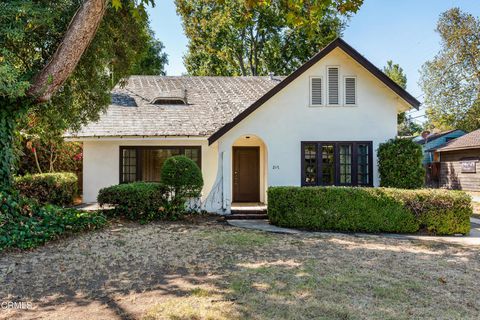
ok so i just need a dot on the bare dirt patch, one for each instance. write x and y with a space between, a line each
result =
207 270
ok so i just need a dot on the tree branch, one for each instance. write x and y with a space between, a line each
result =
78 36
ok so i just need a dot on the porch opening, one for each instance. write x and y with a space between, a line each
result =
249 171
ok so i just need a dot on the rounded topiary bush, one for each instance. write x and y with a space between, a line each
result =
400 164
183 176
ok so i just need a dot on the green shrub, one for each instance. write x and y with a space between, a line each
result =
54 188
184 180
400 164
182 175
439 212
339 209
139 201
25 224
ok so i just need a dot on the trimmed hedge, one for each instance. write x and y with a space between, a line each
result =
438 211
59 188
441 212
140 201
25 224
400 164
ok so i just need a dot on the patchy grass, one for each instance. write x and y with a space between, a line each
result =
206 270
193 308
200 292
239 238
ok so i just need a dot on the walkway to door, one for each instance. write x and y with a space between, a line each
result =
263 225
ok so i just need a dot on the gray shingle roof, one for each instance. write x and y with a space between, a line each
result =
211 103
469 141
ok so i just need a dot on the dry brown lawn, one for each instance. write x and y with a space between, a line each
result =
208 270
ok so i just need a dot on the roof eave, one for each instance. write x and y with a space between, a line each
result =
458 148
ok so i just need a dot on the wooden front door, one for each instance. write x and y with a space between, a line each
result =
246 174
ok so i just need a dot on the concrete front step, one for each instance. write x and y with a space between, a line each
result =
247 211
246 216
241 211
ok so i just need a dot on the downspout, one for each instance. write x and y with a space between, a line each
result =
224 202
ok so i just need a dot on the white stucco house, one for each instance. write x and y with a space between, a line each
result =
321 125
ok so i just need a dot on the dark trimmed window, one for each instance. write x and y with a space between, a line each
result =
337 163
144 163
310 163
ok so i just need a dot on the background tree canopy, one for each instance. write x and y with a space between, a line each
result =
239 37
451 81
405 124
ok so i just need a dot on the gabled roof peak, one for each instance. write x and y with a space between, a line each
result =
337 43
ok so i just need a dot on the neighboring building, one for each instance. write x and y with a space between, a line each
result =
434 141
321 125
459 168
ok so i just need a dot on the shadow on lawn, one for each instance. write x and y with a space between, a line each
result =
195 272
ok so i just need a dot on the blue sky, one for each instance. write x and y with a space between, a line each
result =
400 30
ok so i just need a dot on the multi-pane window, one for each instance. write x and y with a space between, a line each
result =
310 163
129 165
337 163
345 163
145 163
363 168
194 154
328 164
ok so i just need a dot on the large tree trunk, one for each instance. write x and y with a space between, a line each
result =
77 38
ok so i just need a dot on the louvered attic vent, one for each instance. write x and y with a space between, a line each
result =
350 90
316 91
174 97
333 90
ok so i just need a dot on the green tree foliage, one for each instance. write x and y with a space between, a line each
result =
406 126
395 72
151 60
451 80
238 37
400 164
30 32
63 156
